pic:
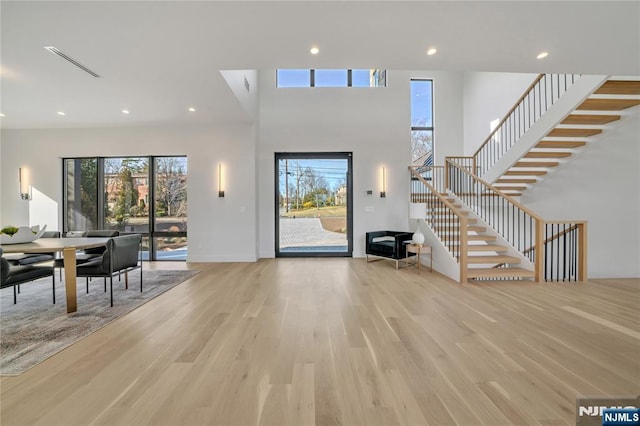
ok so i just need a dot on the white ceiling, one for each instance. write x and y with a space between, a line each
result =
157 58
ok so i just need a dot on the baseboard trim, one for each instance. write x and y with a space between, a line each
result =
220 259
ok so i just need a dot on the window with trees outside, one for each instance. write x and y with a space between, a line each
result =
313 199
145 195
422 122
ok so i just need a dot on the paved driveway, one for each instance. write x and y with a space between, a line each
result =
308 232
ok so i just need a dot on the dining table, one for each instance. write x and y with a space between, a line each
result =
68 248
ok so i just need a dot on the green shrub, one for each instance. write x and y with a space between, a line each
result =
9 230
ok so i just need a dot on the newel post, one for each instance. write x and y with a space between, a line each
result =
446 173
463 247
539 250
582 251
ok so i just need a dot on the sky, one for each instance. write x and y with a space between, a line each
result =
334 171
323 78
421 103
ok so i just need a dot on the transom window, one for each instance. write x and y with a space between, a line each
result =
331 78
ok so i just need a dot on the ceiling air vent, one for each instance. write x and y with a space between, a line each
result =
68 58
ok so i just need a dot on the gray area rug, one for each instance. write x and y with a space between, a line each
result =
35 329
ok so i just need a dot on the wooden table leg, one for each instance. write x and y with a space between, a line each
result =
69 256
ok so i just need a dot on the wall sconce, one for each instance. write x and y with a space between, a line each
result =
383 193
220 187
23 177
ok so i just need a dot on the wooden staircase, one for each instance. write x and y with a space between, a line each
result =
485 258
583 126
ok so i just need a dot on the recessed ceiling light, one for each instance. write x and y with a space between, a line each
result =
542 55
432 51
192 109
125 111
314 50
61 113
1 114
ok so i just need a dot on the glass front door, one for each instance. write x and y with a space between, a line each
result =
313 204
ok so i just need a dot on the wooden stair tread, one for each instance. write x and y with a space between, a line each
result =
517 180
560 144
619 87
574 133
443 207
424 196
592 104
486 247
595 119
482 194
447 220
512 188
525 173
535 164
455 230
437 203
498 259
547 154
455 239
481 237
428 200
499 273
448 212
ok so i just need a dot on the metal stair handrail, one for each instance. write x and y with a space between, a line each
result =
545 91
450 221
525 230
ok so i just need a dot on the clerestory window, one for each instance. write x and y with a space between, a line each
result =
331 78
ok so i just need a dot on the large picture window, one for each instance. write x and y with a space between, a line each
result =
145 195
422 122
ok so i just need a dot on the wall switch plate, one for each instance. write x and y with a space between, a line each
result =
369 192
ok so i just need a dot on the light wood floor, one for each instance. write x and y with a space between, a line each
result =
340 341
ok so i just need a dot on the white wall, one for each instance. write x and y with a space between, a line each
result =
488 96
244 85
373 123
220 229
600 184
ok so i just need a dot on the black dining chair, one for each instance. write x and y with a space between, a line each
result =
86 254
14 275
122 254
